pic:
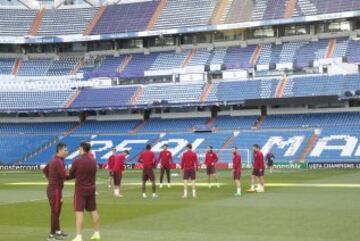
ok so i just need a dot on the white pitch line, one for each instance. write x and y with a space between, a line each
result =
313 185
203 184
45 198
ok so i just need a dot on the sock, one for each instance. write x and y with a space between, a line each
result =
194 192
185 193
239 190
116 192
96 233
252 186
78 236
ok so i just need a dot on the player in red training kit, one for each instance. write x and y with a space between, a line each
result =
111 161
56 174
189 165
258 170
119 167
84 169
147 158
211 158
237 170
166 161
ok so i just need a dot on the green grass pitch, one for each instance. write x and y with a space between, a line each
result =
286 213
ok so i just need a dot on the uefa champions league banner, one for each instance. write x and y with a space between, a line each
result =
329 165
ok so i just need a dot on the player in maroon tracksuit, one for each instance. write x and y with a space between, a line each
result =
166 160
119 167
84 169
56 174
211 158
270 161
111 166
237 170
189 165
148 159
258 170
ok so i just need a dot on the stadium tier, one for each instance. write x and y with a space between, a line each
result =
287 136
171 14
293 55
181 94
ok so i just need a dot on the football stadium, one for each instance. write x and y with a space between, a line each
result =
180 120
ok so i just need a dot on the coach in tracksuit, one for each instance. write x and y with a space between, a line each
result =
56 174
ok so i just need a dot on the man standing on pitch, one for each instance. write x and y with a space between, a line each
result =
189 165
211 159
84 170
237 170
119 167
147 158
166 161
270 161
258 170
56 174
111 161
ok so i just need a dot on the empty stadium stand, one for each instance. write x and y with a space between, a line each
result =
16 22
35 128
132 17
65 21
172 93
299 54
129 71
311 120
287 136
185 13
104 98
225 91
175 14
235 122
172 125
35 100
